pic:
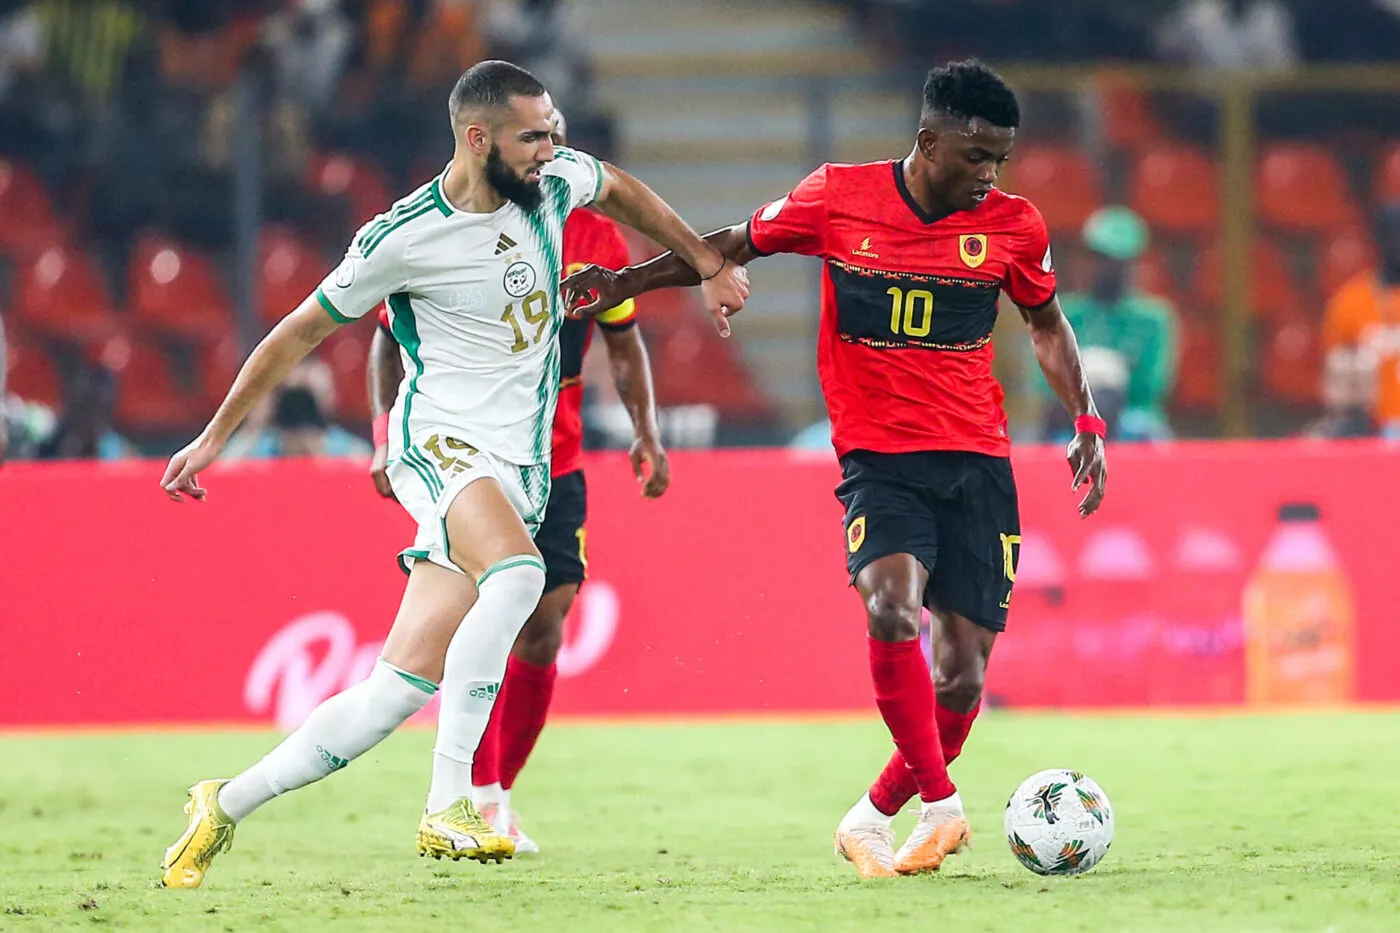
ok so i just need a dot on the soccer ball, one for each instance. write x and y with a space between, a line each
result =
1059 823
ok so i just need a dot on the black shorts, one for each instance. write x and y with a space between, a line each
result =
954 511
561 535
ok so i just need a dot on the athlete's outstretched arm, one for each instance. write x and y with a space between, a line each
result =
724 285
384 375
1057 352
665 271
293 338
631 372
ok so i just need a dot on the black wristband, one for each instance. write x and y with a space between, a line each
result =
706 278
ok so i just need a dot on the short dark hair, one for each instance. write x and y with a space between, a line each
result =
490 86
967 90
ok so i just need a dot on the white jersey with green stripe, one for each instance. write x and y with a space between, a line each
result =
474 303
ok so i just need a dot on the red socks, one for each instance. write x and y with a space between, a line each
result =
524 706
904 694
896 786
486 763
953 729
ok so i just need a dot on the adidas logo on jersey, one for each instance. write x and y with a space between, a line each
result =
503 244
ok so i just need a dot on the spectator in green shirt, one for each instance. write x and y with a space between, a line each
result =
1128 339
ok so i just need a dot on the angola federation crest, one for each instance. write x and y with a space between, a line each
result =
972 247
855 534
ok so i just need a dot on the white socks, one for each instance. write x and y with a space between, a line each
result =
476 661
951 806
337 732
864 813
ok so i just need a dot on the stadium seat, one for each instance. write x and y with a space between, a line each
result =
1340 257
1062 181
1303 188
149 398
216 363
33 376
1176 190
1198 386
1127 118
1154 277
29 222
61 292
361 183
1291 361
346 351
288 271
1385 185
174 288
1274 293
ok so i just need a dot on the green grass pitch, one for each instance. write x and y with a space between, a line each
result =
1256 823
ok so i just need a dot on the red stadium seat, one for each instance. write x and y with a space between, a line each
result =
1154 277
149 398
216 363
1291 361
1127 118
176 289
29 222
61 292
1176 190
32 373
1198 386
1060 180
346 351
360 182
1303 188
1274 293
1385 186
288 271
1342 256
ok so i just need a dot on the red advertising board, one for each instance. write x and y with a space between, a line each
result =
117 606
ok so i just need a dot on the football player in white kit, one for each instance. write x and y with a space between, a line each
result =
470 266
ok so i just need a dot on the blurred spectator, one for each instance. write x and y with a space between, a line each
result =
296 421
1128 338
309 41
90 42
85 430
540 35
21 42
1361 335
1230 34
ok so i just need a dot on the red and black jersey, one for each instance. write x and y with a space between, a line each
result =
908 304
589 238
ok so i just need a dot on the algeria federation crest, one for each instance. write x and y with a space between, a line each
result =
972 247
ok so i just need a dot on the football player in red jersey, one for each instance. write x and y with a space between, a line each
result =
916 252
520 710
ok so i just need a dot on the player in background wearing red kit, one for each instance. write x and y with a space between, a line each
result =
916 252
528 686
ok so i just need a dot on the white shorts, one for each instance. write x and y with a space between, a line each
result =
428 476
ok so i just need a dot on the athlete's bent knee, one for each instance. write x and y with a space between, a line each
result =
541 638
958 682
892 617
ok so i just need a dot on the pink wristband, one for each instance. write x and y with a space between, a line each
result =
381 430
1090 424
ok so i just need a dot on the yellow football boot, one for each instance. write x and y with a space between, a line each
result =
209 832
460 832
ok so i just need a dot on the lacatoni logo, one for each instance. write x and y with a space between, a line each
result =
316 656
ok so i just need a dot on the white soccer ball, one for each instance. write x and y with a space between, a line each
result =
1059 823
